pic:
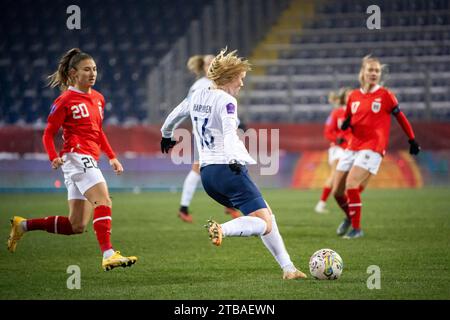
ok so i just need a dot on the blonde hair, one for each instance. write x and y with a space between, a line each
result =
333 98
61 78
226 67
366 60
196 64
342 95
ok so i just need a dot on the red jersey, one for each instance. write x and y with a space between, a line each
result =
80 115
370 119
332 129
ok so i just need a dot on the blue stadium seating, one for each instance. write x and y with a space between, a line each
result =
126 38
414 42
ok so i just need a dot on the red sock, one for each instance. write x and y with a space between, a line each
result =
354 206
361 188
325 193
342 201
56 224
102 227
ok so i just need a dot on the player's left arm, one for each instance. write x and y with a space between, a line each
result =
105 146
107 149
230 138
174 119
414 147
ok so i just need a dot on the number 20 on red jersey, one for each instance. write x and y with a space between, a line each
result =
79 111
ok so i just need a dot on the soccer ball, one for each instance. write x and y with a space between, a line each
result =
326 264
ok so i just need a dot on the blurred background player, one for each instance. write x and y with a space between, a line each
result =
368 114
79 110
338 141
223 157
198 65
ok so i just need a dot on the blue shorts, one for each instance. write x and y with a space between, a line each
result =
231 189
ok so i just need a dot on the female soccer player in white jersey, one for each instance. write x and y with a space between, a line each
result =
223 157
79 111
198 65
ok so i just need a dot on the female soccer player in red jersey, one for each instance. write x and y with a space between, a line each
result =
368 114
79 111
338 141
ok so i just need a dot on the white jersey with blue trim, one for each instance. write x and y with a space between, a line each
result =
214 121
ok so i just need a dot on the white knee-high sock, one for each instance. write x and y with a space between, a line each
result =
245 226
275 244
189 187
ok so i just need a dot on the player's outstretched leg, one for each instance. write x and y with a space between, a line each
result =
16 233
53 224
244 226
247 226
274 243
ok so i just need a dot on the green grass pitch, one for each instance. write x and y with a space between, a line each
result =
407 236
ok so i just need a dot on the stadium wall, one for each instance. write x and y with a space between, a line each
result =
293 137
302 159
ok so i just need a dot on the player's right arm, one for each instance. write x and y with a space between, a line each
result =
54 122
348 115
177 115
236 155
173 120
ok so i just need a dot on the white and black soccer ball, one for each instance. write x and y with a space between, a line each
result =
326 264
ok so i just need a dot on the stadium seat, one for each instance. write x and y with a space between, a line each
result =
124 51
413 42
